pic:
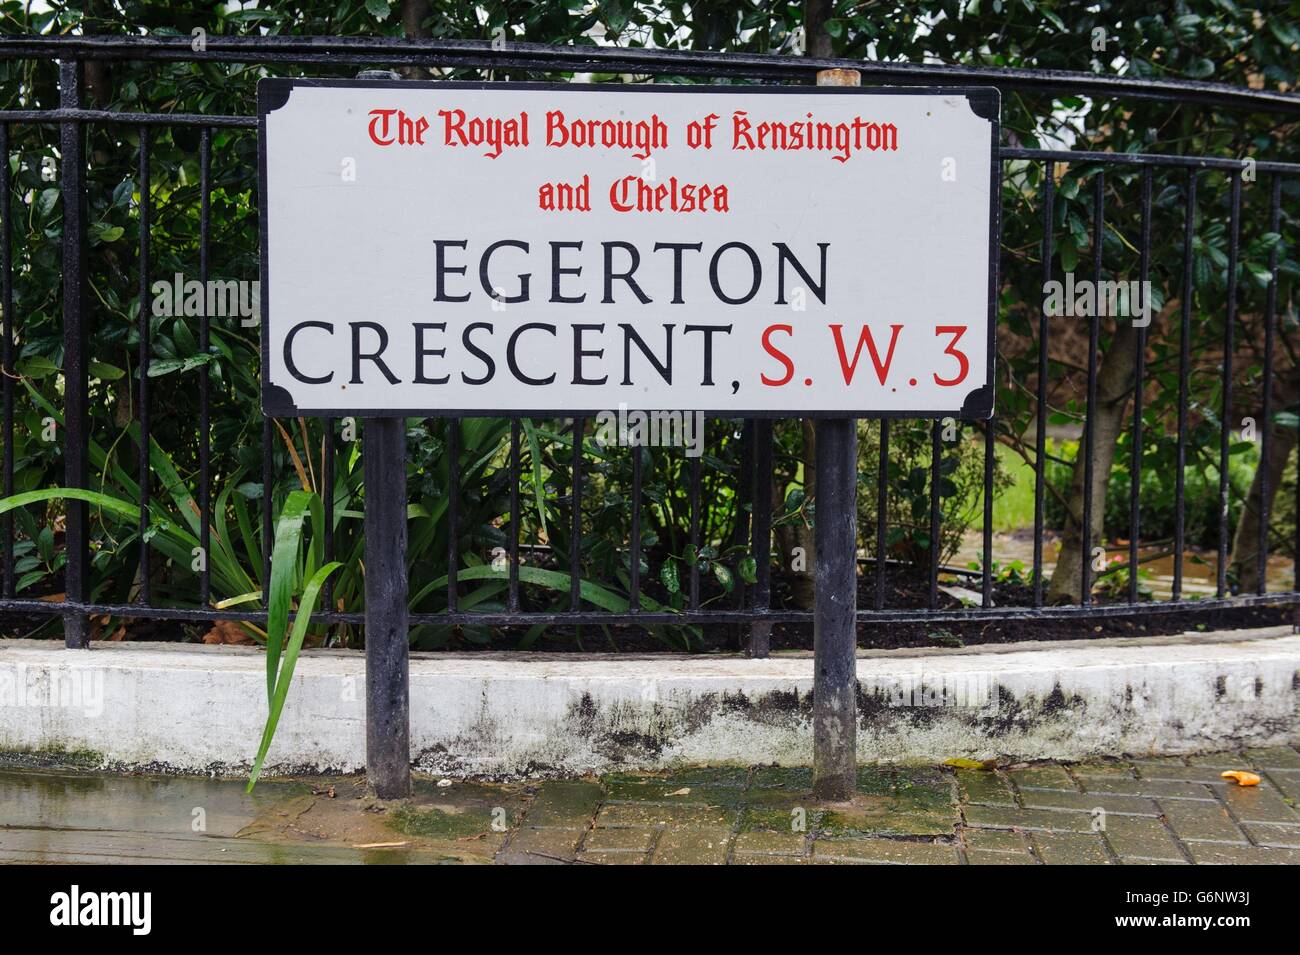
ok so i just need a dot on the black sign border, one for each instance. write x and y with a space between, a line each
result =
984 102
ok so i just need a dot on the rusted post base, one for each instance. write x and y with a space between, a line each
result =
388 697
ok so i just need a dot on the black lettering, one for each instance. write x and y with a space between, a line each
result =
440 268
677 249
610 274
421 351
754 264
288 352
488 287
478 353
708 331
785 255
510 354
358 356
629 336
579 353
557 271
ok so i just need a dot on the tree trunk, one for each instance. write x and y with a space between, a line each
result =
414 13
1245 542
815 15
1114 387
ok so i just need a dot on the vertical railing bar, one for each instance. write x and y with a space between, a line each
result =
142 364
1184 371
1139 372
328 452
1225 432
513 596
762 514
990 453
761 596
453 511
741 527
205 376
72 182
936 459
882 517
575 516
7 308
268 531
990 446
1089 447
1270 335
634 545
1040 430
694 569
269 427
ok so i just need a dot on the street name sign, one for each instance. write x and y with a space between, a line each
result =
554 250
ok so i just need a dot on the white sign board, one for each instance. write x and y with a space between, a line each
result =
447 248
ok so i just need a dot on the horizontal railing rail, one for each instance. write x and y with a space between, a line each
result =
482 54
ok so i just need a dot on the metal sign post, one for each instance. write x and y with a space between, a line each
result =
388 672
835 575
388 696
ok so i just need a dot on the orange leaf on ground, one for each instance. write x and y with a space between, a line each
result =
1241 777
227 632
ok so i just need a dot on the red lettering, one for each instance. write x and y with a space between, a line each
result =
779 355
882 370
379 126
956 331
408 132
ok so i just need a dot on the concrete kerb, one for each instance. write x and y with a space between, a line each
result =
200 709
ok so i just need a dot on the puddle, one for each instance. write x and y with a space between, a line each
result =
60 816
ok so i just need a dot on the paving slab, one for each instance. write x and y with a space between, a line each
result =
1133 837
1056 848
884 851
1274 836
703 846
1043 777
1260 803
982 857
1152 788
994 840
600 857
1088 802
1202 822
996 817
1215 853
985 788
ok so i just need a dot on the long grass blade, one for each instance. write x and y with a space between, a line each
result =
284 566
280 689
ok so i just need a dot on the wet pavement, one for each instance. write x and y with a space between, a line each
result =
1169 810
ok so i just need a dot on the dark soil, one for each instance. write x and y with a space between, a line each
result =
912 593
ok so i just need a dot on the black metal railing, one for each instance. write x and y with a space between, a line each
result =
751 606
